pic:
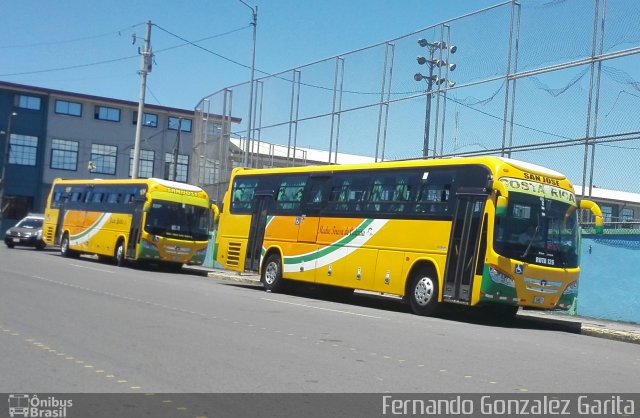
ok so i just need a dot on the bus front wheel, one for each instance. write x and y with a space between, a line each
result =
119 255
65 251
423 292
272 274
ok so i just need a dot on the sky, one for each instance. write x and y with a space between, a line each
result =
199 46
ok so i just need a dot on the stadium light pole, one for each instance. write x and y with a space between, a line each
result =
431 79
5 161
254 23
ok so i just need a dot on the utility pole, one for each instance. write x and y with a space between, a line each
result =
5 161
145 68
175 151
254 23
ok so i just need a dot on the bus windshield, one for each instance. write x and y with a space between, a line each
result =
538 230
178 220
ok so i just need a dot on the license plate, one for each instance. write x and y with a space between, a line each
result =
538 300
16 240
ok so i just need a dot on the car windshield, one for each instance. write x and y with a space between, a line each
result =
538 230
33 223
178 220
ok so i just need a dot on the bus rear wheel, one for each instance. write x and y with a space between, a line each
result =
271 277
423 292
119 254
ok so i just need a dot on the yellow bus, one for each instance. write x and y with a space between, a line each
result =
152 220
473 231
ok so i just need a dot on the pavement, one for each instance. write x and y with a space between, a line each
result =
594 327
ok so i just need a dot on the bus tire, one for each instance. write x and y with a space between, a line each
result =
423 292
271 277
65 251
119 255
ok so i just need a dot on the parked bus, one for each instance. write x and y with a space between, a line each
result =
152 220
472 231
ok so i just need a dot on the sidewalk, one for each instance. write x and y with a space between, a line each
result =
601 328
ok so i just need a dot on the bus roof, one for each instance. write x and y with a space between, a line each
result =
494 162
149 181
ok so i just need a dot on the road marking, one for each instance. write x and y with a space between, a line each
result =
322 309
92 268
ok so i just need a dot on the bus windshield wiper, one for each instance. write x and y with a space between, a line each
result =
535 233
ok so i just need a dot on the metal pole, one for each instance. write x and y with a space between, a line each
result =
427 117
382 102
386 114
589 104
515 70
506 82
5 161
145 68
597 101
254 23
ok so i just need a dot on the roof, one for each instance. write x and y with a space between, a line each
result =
606 194
47 91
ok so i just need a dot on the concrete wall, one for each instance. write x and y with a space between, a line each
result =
609 286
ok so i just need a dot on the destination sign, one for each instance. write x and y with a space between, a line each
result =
539 189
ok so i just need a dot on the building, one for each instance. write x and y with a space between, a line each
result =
70 135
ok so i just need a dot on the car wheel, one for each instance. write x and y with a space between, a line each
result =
120 254
272 274
40 246
423 292
9 245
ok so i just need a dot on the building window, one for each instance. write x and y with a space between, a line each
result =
208 171
64 107
145 164
27 102
182 169
64 155
148 119
184 127
107 113
103 158
23 149
626 214
607 213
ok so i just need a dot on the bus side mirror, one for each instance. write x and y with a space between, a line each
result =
501 206
502 198
597 213
216 213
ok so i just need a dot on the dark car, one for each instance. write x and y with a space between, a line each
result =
27 232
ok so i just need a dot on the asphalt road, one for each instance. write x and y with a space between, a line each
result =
78 325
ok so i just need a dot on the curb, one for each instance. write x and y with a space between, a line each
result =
239 278
609 334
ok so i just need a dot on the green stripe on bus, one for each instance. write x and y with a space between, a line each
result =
333 247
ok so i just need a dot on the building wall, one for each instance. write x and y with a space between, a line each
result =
22 181
87 130
609 280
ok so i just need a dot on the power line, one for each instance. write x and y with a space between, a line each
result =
67 41
72 67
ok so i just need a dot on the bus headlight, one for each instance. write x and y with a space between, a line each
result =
500 278
571 289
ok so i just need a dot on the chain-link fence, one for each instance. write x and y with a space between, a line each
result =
550 82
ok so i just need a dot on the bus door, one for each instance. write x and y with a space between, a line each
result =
261 205
62 211
312 201
136 227
466 233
